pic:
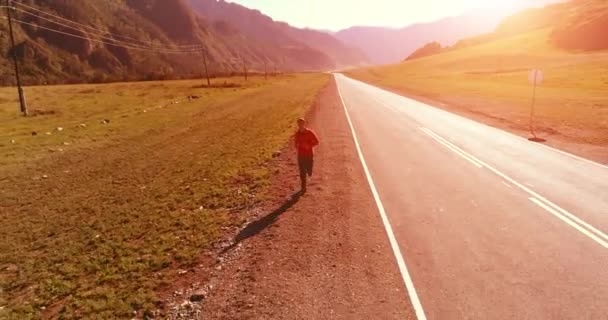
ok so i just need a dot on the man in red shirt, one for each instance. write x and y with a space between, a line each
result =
306 140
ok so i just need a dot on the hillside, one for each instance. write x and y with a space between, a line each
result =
256 25
391 45
590 33
51 57
157 34
486 78
428 49
575 26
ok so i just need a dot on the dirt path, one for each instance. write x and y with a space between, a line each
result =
324 255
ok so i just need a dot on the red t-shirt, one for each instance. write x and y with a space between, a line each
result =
305 141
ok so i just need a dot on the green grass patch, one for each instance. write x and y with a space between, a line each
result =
96 229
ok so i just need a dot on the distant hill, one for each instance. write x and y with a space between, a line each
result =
576 25
263 29
579 25
387 45
428 49
391 45
153 30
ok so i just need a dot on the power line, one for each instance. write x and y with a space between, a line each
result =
104 42
79 30
93 28
118 43
189 49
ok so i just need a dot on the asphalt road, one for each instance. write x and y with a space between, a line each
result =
484 224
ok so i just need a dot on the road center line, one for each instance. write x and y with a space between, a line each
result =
407 279
570 222
590 230
476 163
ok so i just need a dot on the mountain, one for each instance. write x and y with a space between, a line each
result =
263 29
70 41
428 49
101 30
391 45
387 45
576 26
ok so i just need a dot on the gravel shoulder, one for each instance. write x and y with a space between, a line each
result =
324 255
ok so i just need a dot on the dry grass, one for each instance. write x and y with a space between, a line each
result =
96 229
491 80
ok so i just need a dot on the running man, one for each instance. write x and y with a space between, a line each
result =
306 140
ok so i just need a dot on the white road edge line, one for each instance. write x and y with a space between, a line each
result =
473 161
407 279
503 131
534 194
563 152
568 221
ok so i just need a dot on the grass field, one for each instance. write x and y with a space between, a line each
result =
490 81
96 218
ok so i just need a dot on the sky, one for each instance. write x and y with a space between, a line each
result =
335 15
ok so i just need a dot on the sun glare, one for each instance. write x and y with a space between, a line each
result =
499 5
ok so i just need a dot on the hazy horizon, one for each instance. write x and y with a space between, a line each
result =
322 15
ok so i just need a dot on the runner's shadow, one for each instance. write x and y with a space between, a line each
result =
255 227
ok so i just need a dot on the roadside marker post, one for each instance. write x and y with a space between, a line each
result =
536 78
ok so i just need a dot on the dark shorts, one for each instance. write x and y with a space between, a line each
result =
305 163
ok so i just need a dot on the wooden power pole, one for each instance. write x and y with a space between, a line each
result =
245 69
15 61
265 70
206 70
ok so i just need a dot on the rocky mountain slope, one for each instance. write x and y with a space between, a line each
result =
67 41
264 30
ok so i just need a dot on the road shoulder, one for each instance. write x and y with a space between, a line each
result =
324 255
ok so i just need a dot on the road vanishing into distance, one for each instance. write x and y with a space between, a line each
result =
483 224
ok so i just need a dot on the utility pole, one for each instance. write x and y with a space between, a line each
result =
244 68
206 70
265 70
17 75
